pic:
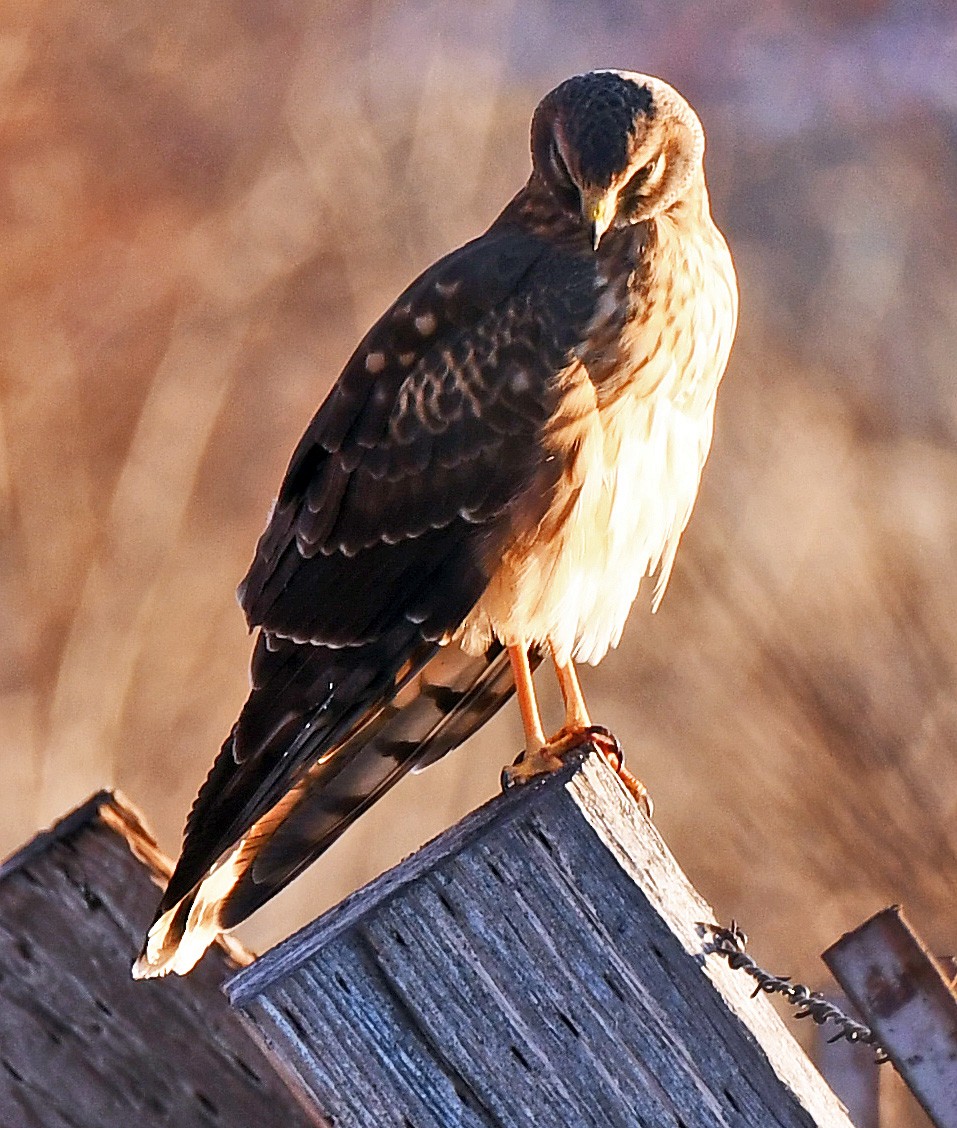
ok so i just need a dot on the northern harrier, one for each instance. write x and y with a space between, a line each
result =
513 446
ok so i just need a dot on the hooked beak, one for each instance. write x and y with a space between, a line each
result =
598 209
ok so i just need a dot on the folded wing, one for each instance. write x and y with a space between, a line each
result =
412 479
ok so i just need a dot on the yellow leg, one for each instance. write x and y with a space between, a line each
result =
537 759
576 713
527 702
543 756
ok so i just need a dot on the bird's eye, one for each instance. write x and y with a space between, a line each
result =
648 171
641 183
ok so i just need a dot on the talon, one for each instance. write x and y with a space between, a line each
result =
529 766
610 747
637 790
607 744
548 758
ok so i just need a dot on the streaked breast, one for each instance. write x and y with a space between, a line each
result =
634 445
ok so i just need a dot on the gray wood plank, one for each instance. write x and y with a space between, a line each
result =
82 1045
542 963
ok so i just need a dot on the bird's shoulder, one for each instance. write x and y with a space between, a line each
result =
435 414
513 278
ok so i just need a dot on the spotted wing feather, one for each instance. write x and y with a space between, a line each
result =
415 473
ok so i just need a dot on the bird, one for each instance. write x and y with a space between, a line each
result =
513 448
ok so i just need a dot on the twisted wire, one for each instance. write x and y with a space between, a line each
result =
731 942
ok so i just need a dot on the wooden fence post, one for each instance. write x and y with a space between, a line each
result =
541 964
82 1045
903 993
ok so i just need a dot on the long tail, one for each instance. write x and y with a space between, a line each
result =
451 697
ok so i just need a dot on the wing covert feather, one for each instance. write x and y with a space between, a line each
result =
421 464
444 430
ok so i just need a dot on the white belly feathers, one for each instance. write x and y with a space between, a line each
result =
634 466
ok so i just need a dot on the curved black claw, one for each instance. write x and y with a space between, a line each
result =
610 747
529 766
608 743
510 777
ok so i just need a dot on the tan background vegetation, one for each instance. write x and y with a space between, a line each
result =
203 205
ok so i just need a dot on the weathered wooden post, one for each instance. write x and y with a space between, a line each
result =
81 1044
541 964
904 993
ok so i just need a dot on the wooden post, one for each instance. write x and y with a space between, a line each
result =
903 994
82 1045
541 964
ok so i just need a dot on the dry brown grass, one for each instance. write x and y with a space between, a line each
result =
203 209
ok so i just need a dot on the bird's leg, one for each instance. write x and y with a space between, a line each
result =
578 729
537 759
527 702
543 756
577 719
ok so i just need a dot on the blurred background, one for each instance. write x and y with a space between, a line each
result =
204 205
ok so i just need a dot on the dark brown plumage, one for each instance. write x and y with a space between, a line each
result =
476 429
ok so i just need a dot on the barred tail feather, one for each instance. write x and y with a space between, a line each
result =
451 697
180 936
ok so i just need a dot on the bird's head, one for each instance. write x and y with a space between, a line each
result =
616 148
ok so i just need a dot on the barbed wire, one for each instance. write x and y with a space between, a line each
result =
731 943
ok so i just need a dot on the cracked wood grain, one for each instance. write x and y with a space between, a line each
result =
82 1045
539 964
